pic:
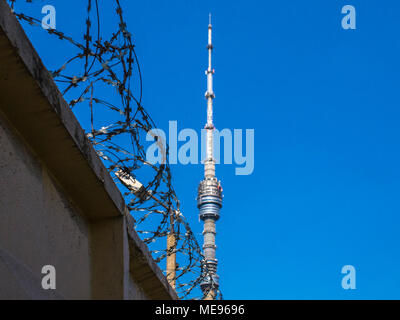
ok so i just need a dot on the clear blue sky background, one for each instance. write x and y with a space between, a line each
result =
324 103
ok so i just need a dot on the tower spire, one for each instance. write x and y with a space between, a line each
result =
209 199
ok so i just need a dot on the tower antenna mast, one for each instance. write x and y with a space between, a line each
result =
209 199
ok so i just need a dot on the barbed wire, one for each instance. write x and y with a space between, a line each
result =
84 79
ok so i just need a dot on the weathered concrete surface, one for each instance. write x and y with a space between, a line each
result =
58 204
45 119
38 226
144 269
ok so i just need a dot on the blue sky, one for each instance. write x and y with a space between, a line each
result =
324 103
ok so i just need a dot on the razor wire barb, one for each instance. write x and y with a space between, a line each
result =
113 63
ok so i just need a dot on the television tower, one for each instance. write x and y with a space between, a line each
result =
209 199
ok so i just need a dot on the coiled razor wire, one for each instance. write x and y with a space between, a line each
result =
113 63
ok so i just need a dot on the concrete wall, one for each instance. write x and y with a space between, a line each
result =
39 226
58 204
